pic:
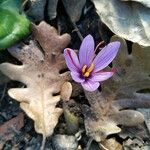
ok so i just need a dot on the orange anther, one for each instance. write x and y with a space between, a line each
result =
84 69
87 72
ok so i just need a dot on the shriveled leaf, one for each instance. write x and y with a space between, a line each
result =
135 144
108 107
102 119
74 8
66 91
137 131
72 121
36 9
144 2
146 113
3 78
64 142
132 73
7 129
130 20
41 74
52 9
112 144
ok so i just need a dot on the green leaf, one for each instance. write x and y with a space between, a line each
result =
13 25
11 4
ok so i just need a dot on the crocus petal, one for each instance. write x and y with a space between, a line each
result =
106 56
72 60
86 52
90 85
101 76
76 77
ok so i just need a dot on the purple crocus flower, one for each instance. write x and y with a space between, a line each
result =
87 69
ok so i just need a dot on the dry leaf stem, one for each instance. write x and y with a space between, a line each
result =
77 30
43 143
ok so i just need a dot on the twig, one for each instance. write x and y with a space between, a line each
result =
99 44
102 146
77 30
43 143
89 144
23 6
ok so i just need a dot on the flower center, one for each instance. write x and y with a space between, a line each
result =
86 71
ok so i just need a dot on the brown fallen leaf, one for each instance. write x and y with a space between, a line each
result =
3 79
66 91
106 111
7 129
139 131
126 18
41 73
74 8
133 144
146 113
37 9
112 144
64 142
132 75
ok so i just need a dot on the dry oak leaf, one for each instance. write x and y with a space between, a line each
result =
112 144
102 118
126 18
40 72
37 9
132 76
108 107
7 129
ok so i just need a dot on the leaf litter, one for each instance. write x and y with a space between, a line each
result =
127 19
41 74
106 114
9 128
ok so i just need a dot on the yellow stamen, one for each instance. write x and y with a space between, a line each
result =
91 68
84 69
87 72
